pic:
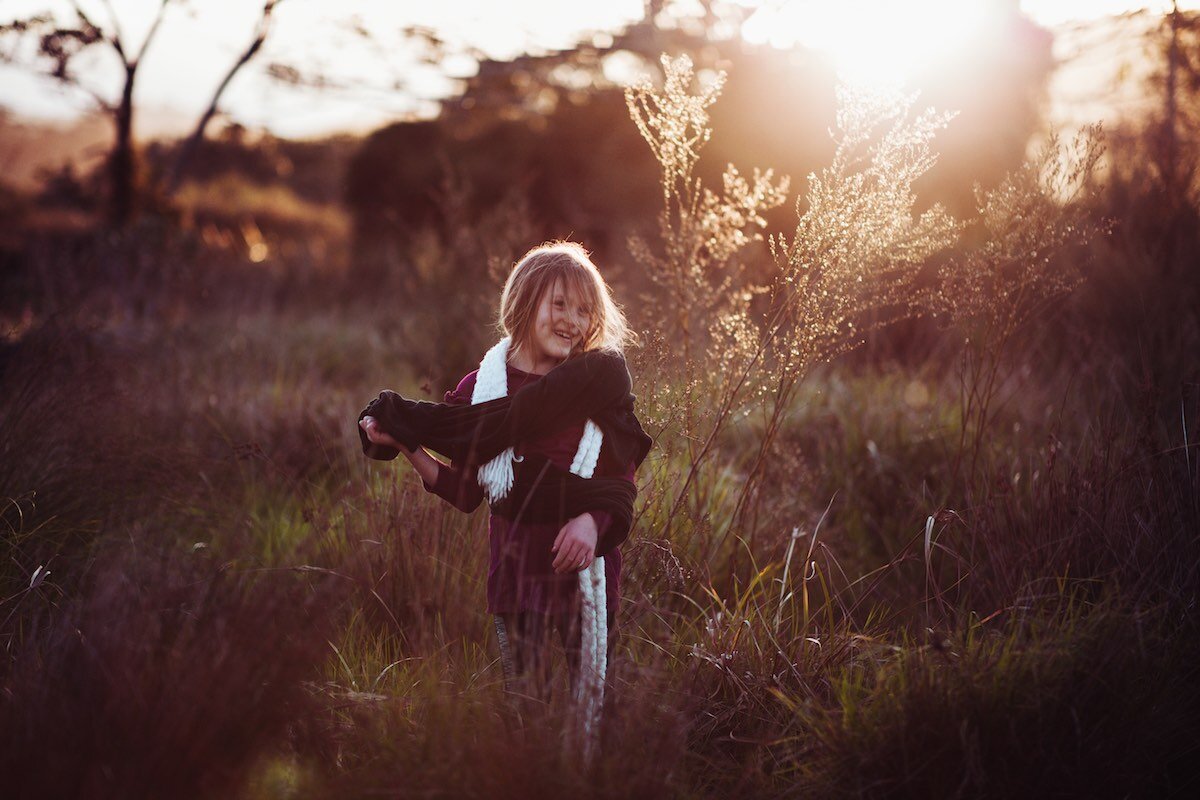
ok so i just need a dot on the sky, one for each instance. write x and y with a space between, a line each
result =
387 79
199 41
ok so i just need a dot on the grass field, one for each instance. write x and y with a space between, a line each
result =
912 567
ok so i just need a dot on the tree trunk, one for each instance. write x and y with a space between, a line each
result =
122 165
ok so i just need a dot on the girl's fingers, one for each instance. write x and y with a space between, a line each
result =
561 558
377 435
568 557
581 560
572 555
371 428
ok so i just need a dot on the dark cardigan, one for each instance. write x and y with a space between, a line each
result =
595 385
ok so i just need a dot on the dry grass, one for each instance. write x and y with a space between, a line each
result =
832 590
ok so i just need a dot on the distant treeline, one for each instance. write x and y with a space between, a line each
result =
571 153
585 171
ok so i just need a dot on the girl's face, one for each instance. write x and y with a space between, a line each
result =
562 321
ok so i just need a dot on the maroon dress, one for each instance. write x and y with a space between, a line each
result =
521 576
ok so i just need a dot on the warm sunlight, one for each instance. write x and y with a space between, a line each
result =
637 398
1057 12
873 41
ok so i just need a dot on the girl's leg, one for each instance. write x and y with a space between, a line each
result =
524 640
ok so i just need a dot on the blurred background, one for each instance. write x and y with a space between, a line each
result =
321 138
933 531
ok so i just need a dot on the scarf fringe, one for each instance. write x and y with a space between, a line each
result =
491 382
496 478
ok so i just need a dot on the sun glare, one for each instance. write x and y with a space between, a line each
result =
873 41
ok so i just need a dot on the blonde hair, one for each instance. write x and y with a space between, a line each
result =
537 272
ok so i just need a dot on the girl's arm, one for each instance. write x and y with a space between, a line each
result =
453 484
456 485
592 537
581 541
570 393
426 465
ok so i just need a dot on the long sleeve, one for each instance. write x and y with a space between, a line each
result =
610 534
606 538
593 386
579 389
457 484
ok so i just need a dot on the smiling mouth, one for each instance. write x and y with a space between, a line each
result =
564 337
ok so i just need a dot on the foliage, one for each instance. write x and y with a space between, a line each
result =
857 261
229 199
60 41
207 590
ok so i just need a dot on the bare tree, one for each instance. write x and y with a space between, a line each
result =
189 147
59 45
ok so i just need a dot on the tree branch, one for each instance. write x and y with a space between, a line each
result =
105 104
114 39
158 18
193 141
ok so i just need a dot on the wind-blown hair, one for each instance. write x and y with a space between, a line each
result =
536 273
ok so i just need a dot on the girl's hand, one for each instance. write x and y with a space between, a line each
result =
575 545
376 435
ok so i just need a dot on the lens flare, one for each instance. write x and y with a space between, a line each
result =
873 41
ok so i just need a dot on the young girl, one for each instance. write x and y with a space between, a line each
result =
546 396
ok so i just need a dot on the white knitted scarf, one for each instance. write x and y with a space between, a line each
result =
496 478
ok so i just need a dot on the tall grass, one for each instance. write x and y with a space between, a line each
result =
161 674
844 580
